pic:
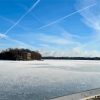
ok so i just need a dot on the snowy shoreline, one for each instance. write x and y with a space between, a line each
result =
84 95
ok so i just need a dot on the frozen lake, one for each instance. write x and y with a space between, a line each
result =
42 80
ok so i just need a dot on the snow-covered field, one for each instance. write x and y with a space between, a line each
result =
42 80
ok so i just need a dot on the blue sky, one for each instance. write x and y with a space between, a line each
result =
54 27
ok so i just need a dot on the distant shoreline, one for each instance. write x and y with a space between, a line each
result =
72 58
58 58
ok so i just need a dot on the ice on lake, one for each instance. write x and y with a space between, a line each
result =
42 80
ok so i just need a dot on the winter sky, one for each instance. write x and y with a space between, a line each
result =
55 27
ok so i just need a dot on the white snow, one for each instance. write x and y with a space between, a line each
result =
42 80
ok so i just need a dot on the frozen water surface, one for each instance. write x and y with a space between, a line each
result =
42 80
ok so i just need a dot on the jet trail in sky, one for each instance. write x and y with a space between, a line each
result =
30 9
62 18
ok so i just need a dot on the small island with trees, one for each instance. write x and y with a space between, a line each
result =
19 54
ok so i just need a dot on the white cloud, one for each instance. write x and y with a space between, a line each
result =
61 40
92 15
3 36
20 43
53 39
75 52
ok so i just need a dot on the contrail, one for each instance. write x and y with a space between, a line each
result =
5 34
19 42
12 22
15 40
56 21
30 9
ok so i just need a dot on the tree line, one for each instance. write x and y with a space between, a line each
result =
72 58
19 54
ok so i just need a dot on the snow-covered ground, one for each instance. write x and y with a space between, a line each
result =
42 80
